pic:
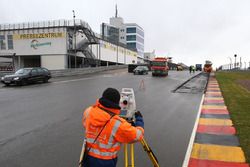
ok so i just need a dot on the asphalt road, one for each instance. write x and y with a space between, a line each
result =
40 125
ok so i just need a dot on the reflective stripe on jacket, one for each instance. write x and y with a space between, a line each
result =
117 131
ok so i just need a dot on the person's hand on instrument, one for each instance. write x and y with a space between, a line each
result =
139 119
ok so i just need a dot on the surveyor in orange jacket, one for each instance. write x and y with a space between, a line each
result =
105 130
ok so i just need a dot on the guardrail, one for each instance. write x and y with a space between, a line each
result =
77 71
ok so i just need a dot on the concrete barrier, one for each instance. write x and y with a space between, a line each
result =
82 71
77 71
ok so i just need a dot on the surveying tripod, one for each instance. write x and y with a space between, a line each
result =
145 147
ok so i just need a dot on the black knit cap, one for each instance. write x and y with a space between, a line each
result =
110 98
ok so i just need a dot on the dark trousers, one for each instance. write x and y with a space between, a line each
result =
96 162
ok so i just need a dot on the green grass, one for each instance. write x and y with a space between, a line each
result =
237 99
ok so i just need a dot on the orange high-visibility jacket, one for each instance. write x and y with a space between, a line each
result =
116 131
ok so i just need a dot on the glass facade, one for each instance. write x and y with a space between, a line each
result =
2 42
135 38
131 37
109 32
10 42
131 30
131 45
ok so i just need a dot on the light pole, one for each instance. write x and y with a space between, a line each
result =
117 52
230 63
74 35
240 63
235 61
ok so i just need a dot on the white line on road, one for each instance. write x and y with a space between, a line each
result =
191 141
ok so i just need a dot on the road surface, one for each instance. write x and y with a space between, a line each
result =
40 124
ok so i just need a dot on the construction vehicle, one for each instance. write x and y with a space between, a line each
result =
198 67
159 66
208 66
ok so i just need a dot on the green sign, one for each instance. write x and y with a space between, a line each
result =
35 44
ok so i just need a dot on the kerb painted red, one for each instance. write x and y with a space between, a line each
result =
214 111
220 130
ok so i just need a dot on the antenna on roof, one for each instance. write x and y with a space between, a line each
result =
116 11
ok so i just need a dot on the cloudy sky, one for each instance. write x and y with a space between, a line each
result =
190 31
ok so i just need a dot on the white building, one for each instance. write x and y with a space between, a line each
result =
59 44
130 34
149 55
135 39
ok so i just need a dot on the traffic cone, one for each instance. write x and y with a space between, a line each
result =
142 85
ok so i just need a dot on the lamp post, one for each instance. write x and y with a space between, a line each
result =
230 63
74 35
13 62
240 63
235 61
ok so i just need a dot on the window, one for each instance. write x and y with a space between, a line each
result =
131 45
45 69
131 37
2 42
22 71
34 72
131 30
40 71
10 42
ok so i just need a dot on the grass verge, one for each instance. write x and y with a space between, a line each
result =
237 99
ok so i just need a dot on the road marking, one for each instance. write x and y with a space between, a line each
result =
218 152
191 141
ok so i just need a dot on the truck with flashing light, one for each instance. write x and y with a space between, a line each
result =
159 66
208 66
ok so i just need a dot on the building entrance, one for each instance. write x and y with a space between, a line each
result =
31 61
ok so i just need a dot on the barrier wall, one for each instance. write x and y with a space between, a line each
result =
78 71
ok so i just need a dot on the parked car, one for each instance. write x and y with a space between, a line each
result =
27 75
141 70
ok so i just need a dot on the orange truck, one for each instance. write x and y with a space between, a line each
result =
208 66
159 66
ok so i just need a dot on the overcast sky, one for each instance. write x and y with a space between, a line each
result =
190 31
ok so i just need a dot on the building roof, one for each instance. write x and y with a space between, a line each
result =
133 24
44 24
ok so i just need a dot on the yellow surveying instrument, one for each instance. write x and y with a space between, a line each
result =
128 110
